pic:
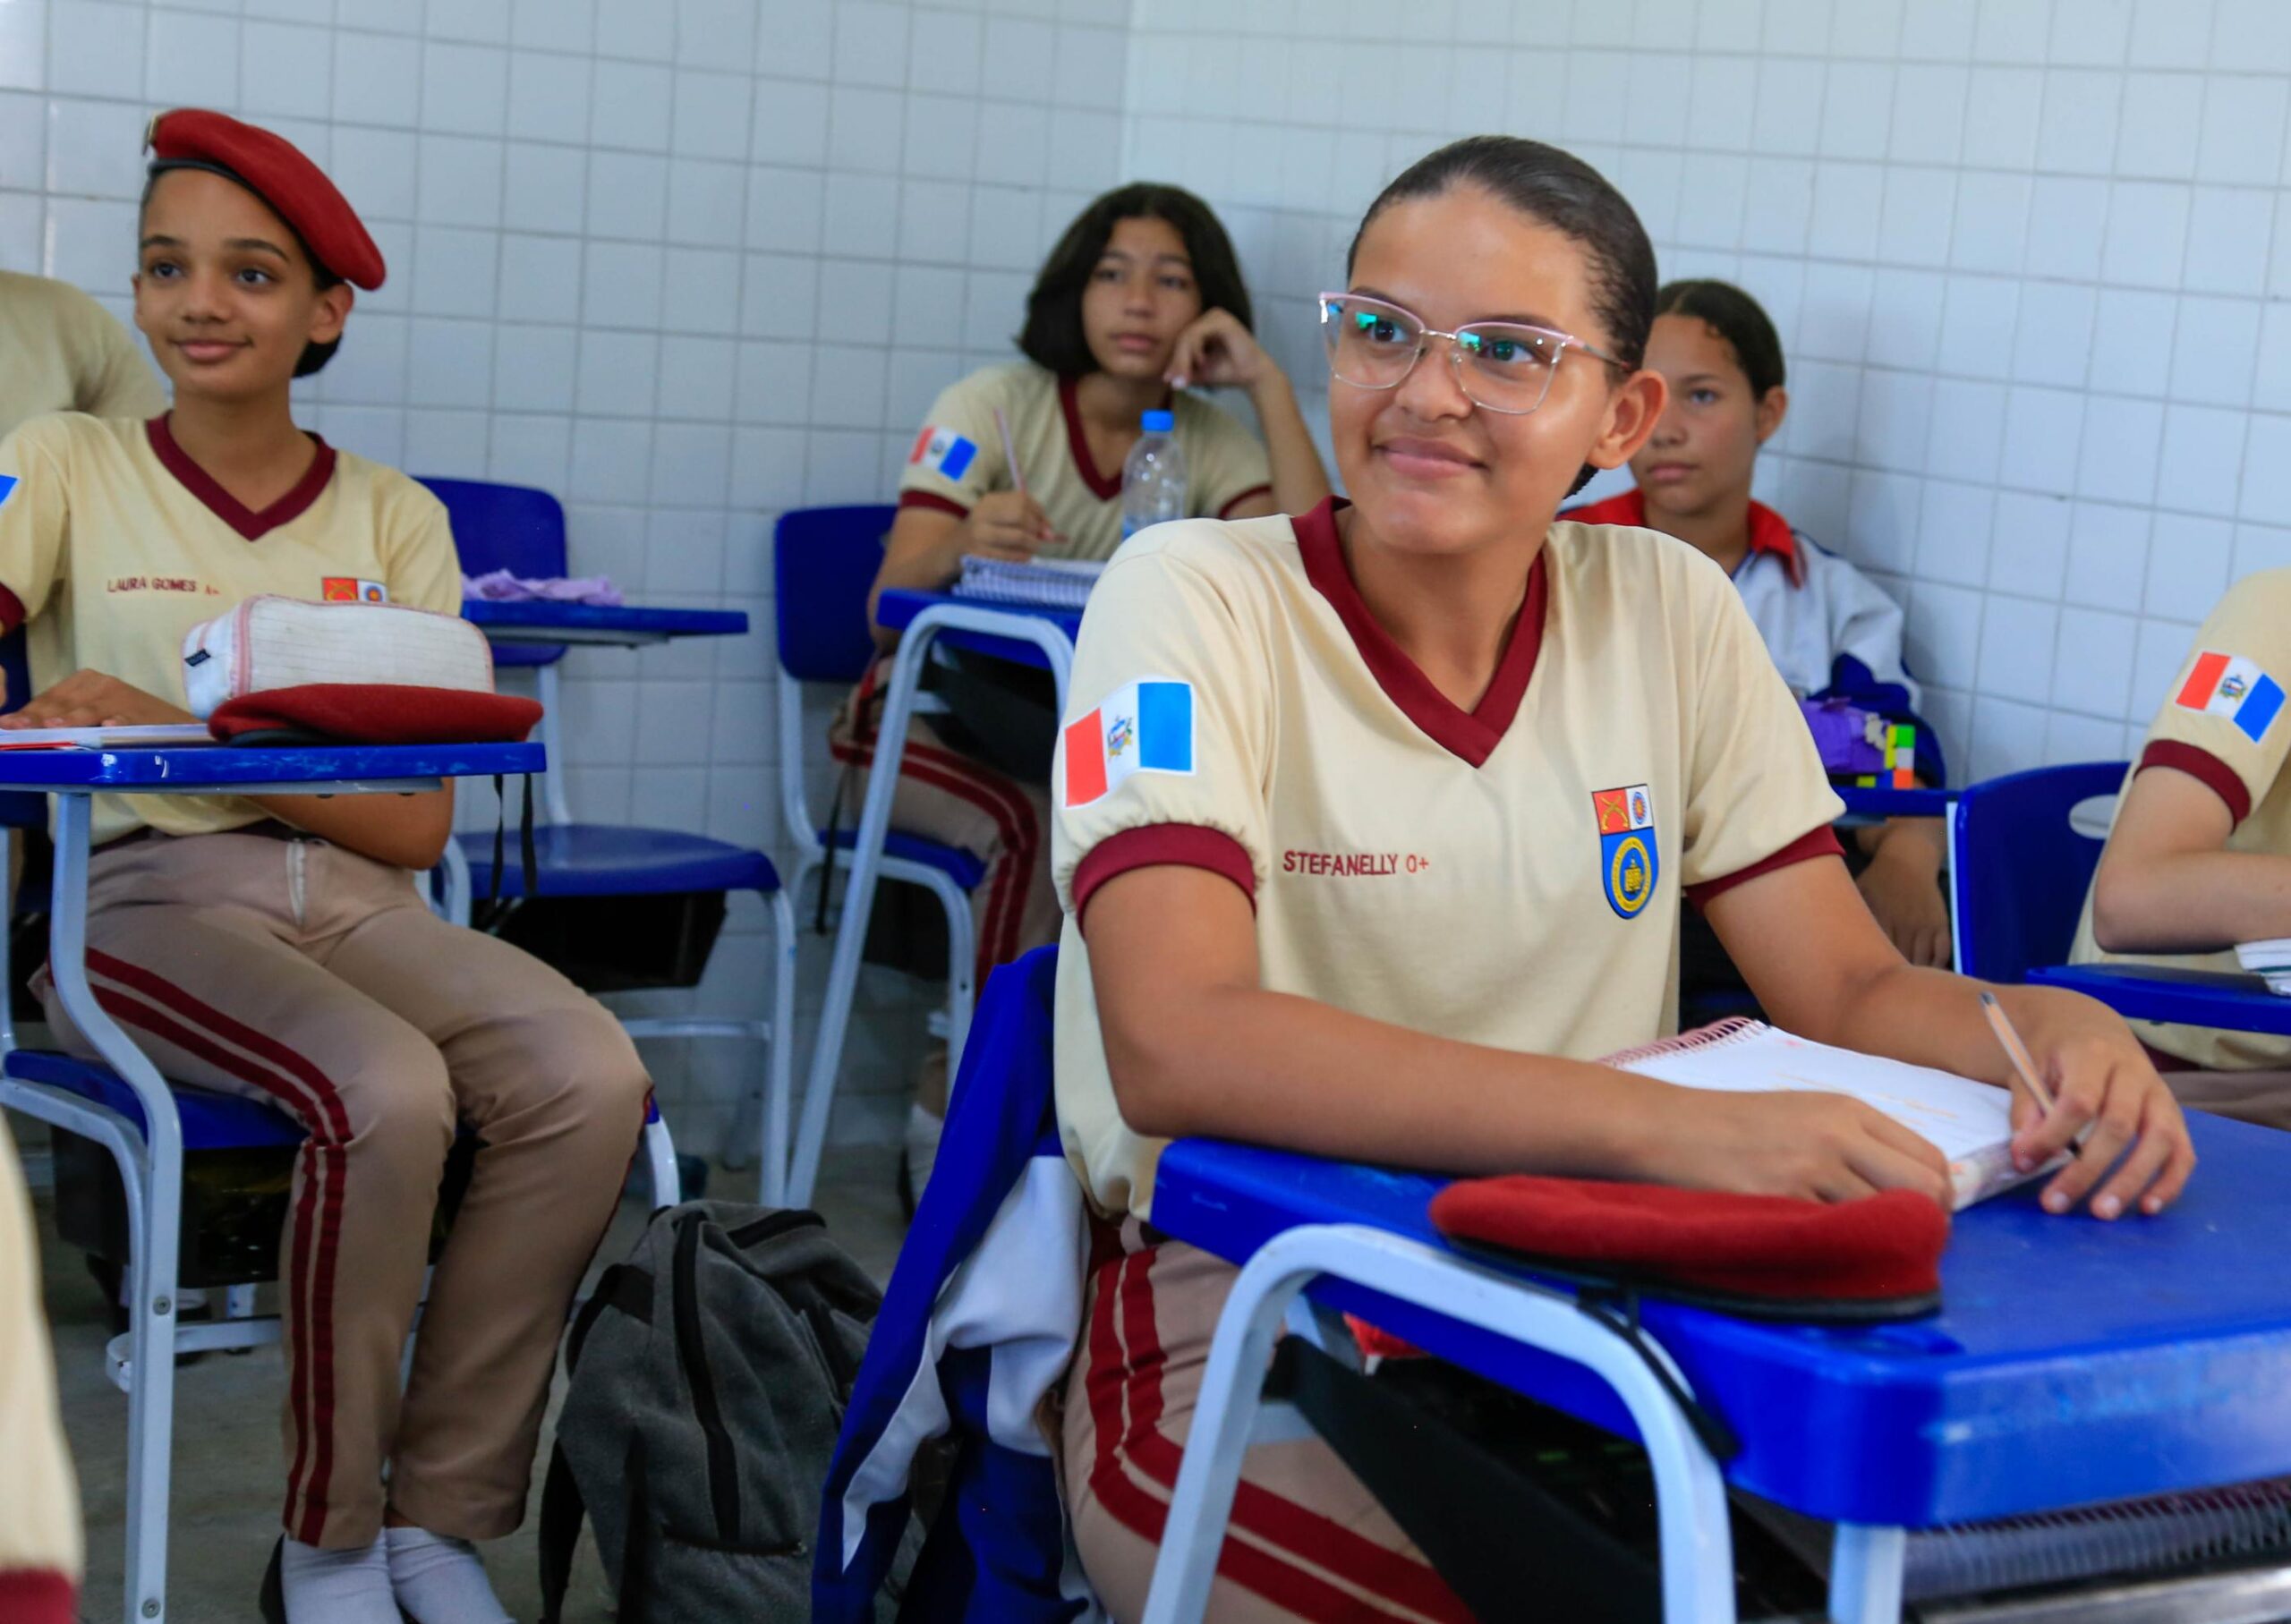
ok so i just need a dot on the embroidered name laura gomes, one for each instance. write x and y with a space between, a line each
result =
1353 865
152 584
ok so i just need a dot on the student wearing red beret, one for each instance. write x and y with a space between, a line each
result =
276 945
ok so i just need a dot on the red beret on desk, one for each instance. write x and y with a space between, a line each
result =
374 713
1771 1255
274 170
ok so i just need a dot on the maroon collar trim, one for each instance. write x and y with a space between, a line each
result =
1770 532
251 526
1105 487
1470 734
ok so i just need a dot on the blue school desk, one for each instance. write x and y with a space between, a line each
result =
1881 802
2192 997
532 632
1027 633
2073 1360
625 626
155 1142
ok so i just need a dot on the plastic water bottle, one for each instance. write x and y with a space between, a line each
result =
1152 476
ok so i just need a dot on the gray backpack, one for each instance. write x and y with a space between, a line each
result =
709 1375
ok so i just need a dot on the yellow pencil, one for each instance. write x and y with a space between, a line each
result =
2016 1051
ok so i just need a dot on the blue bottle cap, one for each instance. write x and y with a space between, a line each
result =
1160 422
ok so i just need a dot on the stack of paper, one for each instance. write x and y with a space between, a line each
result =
1058 584
1968 1122
151 735
2272 959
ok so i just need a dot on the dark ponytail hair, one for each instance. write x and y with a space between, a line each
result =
1736 318
1564 193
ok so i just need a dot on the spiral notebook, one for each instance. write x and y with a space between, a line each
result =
1058 584
1969 1122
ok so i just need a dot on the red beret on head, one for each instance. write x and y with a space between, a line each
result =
1876 1258
274 170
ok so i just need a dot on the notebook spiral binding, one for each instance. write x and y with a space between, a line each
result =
1732 1029
1053 583
2121 1536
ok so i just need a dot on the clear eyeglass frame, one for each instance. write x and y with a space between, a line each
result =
1473 350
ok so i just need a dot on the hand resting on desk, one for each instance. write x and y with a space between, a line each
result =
1197 1045
409 831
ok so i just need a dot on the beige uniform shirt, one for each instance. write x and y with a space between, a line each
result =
1508 876
60 350
2225 724
959 456
113 544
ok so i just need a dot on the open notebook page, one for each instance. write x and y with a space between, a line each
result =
1969 1122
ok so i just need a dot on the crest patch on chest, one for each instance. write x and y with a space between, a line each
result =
1628 864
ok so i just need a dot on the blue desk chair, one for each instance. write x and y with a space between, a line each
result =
2020 868
92 1100
987 1297
521 530
823 562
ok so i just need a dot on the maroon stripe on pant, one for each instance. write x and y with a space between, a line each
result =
1013 821
311 1097
1124 1387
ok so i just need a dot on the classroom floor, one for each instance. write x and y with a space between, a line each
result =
226 1462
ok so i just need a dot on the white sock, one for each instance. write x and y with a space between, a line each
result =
439 1580
336 1586
924 1131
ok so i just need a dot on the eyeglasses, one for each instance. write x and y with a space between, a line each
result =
1503 366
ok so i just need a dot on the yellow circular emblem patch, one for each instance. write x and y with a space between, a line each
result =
1630 875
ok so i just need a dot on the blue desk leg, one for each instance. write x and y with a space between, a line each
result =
1690 1498
151 1390
867 852
1865 1574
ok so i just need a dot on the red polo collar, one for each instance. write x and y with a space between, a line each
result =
1770 532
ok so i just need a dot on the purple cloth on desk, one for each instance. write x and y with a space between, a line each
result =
499 586
1841 735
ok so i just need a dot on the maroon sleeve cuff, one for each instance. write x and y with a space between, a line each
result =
1188 845
934 501
1226 512
1814 843
2201 764
37 1595
11 611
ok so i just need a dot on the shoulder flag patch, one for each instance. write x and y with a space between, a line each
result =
7 486
942 450
1141 727
2235 687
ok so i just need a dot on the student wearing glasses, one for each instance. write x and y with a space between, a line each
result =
1374 828
1140 302
1831 629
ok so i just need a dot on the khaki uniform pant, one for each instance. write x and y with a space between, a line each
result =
1306 1540
297 973
955 800
2263 1097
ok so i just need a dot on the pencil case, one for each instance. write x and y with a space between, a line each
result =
271 642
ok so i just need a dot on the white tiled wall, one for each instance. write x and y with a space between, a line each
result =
685 263
2026 257
691 262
